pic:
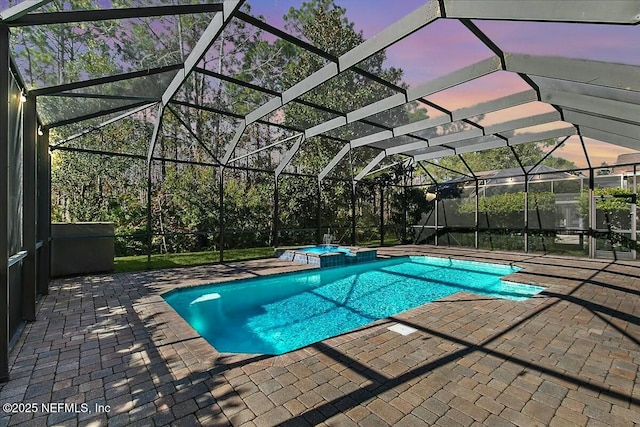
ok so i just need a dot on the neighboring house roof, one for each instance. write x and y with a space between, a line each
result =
626 159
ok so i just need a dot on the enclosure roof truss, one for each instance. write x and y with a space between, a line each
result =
595 99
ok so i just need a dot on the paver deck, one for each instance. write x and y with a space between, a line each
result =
568 356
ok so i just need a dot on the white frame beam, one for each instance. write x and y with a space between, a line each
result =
435 154
591 104
609 12
372 164
603 124
616 94
525 122
610 138
105 123
539 136
336 159
486 142
514 140
295 147
463 113
620 76
455 78
21 9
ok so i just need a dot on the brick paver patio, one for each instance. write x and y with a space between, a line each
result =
568 356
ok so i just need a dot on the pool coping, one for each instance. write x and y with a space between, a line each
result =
178 330
172 317
503 279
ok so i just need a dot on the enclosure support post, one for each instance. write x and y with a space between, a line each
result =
381 215
592 216
477 216
634 225
592 204
149 218
4 203
276 213
44 211
404 207
152 146
581 237
221 214
319 213
29 209
353 212
435 223
526 213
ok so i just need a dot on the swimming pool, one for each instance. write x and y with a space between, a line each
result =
280 313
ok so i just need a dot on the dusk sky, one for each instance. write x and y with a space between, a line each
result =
446 45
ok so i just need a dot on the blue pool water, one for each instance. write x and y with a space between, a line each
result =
324 249
281 313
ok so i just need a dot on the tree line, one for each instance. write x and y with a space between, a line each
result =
185 198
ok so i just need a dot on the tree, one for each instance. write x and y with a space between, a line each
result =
184 198
86 187
613 212
57 54
325 25
604 169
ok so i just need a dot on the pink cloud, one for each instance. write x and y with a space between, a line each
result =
599 152
486 88
513 113
571 150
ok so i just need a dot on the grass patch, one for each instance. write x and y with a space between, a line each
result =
374 243
139 262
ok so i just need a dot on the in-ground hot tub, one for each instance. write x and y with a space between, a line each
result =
327 255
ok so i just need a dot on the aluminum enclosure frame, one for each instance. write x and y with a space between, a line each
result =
464 10
622 76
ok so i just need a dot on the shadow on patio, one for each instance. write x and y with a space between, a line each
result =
569 355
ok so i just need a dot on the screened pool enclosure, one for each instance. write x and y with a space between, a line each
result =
199 126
